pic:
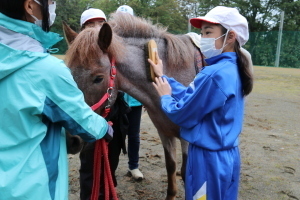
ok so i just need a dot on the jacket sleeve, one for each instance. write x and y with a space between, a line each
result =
178 90
65 104
201 97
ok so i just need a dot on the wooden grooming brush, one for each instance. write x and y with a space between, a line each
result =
152 49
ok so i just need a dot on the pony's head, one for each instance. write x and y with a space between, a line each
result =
89 58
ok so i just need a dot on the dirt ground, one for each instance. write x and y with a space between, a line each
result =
269 143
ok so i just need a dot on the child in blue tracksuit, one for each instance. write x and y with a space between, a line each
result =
210 110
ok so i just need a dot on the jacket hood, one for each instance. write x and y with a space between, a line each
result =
47 39
11 59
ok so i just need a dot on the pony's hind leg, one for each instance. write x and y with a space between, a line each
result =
169 145
74 143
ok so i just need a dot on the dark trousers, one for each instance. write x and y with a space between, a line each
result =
120 126
134 118
87 164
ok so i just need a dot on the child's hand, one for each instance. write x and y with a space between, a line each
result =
110 133
162 86
157 68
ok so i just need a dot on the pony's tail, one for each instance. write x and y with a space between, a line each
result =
244 70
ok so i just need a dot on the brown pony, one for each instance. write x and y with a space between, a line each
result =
124 38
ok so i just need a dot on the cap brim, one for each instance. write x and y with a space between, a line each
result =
93 19
197 22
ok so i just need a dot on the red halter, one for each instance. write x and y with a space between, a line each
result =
101 147
106 96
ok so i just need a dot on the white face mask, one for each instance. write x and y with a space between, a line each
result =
208 46
37 21
52 14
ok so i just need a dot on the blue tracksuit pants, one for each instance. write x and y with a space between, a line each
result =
212 175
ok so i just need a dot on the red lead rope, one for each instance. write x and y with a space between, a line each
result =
101 149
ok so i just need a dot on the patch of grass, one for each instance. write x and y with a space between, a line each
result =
277 81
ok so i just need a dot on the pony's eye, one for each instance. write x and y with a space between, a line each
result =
98 79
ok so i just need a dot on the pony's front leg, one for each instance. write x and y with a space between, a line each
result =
169 145
184 150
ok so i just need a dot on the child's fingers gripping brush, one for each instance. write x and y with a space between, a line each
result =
151 54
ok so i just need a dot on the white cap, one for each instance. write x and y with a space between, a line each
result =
125 9
229 18
196 38
91 13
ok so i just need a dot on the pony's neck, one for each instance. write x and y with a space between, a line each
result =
132 68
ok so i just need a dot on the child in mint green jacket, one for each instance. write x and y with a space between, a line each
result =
38 97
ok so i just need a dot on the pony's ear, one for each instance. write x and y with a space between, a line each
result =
105 37
70 35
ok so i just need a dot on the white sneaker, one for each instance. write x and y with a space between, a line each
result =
136 174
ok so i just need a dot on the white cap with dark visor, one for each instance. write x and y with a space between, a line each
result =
229 18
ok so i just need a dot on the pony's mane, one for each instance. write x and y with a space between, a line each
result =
86 51
126 25
177 51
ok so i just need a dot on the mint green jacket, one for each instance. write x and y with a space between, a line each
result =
38 97
132 102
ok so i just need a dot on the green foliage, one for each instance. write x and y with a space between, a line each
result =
291 10
263 45
70 12
166 12
290 49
